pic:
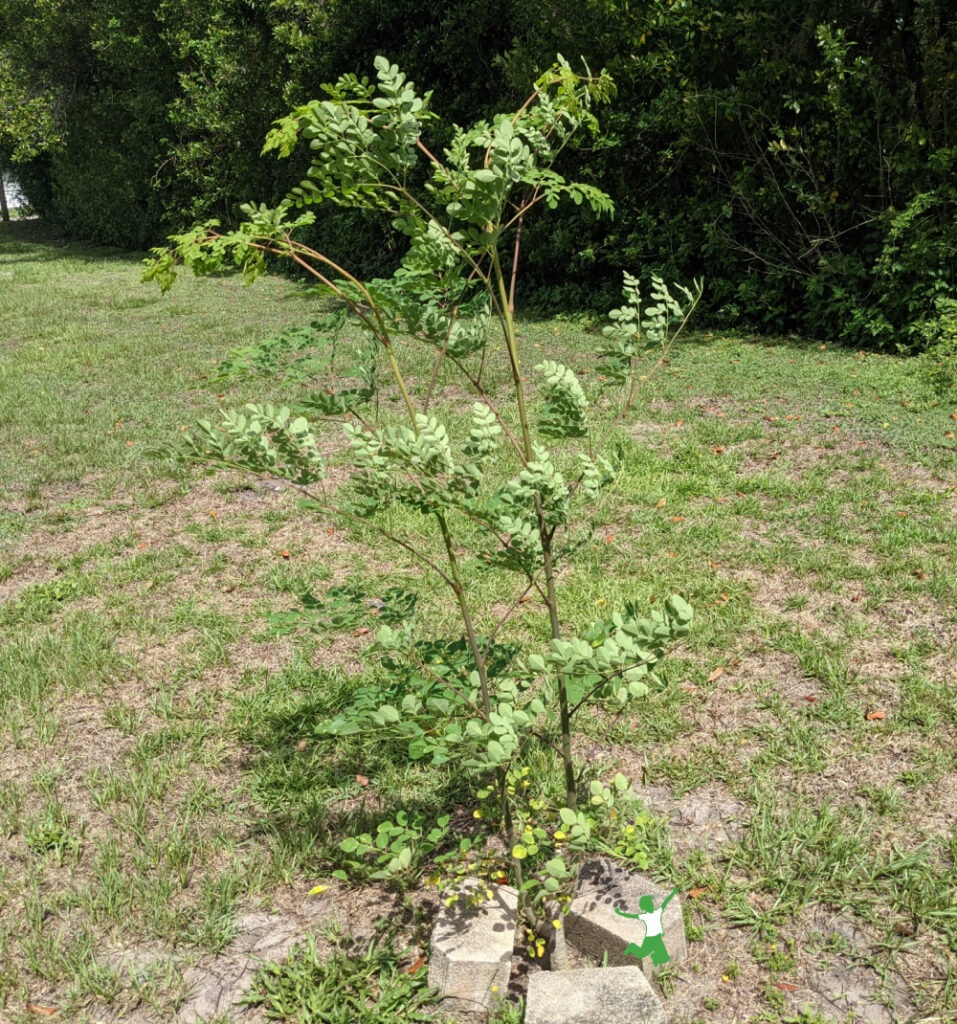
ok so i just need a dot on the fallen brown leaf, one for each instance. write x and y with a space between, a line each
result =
362 631
362 780
661 504
716 674
783 985
418 965
876 716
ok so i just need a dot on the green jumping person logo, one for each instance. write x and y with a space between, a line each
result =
654 942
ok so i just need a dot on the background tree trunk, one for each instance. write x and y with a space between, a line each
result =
4 212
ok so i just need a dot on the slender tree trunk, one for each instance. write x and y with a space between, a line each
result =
4 212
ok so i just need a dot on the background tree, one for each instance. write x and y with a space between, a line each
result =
802 157
811 147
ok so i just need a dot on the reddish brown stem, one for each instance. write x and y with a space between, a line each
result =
518 242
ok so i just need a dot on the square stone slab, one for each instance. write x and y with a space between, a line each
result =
594 995
594 929
472 946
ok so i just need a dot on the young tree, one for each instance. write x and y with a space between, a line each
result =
513 496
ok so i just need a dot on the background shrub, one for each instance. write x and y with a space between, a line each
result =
801 157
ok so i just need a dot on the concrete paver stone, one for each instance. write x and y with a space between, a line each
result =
595 930
592 995
472 945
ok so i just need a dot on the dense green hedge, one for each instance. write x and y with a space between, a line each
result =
800 156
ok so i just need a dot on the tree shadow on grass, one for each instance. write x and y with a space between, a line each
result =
39 241
315 790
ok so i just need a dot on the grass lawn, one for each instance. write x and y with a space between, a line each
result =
160 776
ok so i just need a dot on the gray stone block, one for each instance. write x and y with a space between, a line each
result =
472 946
593 995
595 930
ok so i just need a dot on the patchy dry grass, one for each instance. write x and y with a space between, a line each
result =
159 772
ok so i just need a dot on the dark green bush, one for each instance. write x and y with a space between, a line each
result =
801 157
939 340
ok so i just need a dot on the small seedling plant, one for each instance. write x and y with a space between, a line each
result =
511 493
